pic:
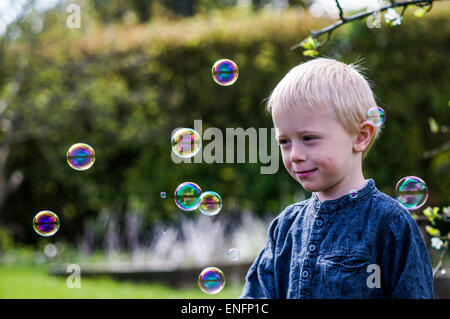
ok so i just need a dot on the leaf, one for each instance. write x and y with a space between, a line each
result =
420 12
309 43
436 212
310 53
434 126
432 231
429 213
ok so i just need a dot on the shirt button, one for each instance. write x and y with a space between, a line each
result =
317 205
312 248
319 223
305 274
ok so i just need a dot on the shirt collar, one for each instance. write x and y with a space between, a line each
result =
344 201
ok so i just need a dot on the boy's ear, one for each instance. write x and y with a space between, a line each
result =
364 137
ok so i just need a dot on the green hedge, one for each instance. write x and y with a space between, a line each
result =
123 89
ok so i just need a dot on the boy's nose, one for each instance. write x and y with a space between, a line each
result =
297 154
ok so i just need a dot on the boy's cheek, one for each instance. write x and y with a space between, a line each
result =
287 163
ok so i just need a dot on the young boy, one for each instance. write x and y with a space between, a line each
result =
349 240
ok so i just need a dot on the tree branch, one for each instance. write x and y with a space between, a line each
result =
359 16
441 259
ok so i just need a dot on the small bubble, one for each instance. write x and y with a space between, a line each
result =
80 156
411 192
233 254
186 142
353 194
46 223
163 194
211 280
376 116
225 72
187 196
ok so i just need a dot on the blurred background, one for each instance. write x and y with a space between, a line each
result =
136 70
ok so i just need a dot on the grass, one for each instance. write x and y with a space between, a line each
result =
33 282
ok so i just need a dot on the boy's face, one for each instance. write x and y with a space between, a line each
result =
317 151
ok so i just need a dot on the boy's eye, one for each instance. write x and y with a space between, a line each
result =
309 138
283 141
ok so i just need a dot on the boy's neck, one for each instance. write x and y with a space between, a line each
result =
344 188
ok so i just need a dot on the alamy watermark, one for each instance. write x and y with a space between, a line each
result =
374 20
74 279
374 279
251 145
74 19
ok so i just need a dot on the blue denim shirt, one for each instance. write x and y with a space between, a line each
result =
363 246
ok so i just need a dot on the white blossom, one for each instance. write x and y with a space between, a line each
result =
446 211
436 243
392 17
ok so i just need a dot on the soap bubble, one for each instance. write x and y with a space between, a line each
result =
163 194
411 192
186 142
233 254
46 223
225 72
80 156
187 196
211 280
210 203
353 194
376 116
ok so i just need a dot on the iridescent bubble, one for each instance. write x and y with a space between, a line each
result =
411 192
353 194
233 254
210 203
186 142
211 280
376 116
187 196
46 223
80 156
225 72
163 194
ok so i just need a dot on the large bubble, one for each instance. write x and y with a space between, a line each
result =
187 196
80 156
411 192
186 142
211 280
46 223
225 72
210 203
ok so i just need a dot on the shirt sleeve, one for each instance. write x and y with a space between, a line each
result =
406 267
260 281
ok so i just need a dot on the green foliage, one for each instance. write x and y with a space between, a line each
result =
123 90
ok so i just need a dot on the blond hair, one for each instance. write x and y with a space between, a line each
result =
324 84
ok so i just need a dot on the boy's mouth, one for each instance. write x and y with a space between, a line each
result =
306 173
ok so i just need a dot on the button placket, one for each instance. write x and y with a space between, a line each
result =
317 205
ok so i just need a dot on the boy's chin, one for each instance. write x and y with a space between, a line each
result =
310 187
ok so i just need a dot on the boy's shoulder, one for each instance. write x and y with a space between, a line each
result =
390 209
